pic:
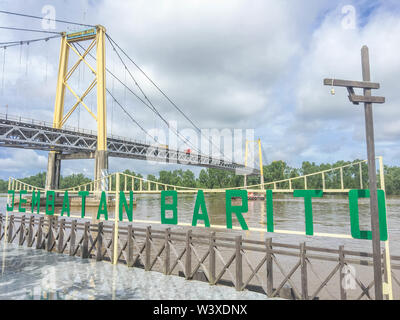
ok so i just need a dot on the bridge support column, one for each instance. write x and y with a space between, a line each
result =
101 151
53 171
101 158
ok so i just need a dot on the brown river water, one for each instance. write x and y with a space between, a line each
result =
331 215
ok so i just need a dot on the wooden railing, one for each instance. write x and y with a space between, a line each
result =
263 266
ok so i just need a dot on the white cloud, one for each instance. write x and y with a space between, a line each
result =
235 64
334 52
19 163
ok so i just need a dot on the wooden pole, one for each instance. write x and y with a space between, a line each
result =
49 243
343 294
61 236
167 252
99 253
85 242
30 231
212 259
148 249
130 246
269 265
303 261
10 229
22 231
369 128
39 233
239 264
188 261
116 216
72 238
1 225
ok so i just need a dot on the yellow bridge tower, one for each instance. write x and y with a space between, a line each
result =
260 160
97 36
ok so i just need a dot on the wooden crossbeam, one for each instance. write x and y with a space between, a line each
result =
200 263
352 84
363 99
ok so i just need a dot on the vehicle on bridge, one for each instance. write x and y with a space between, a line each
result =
252 196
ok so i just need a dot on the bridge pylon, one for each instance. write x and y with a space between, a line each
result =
260 162
97 37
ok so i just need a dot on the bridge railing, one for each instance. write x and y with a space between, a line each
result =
335 180
114 139
48 124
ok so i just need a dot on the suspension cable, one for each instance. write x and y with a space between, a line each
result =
30 30
130 116
147 105
164 94
150 103
42 18
21 42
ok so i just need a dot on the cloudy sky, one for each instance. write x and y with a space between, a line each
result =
252 64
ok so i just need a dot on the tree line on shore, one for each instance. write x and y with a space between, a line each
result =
276 171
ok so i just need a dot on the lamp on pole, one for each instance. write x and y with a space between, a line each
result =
368 100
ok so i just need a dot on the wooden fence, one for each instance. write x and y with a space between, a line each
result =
263 266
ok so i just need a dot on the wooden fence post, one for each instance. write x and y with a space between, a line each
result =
303 265
343 294
269 265
1 225
99 254
130 246
212 260
85 242
49 242
148 249
61 227
10 228
72 238
112 244
239 263
30 231
167 254
22 231
116 217
39 244
188 260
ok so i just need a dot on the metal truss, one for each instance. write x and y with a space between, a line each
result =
80 145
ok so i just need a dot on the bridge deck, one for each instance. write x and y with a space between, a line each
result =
73 143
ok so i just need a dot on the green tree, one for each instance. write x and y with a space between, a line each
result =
73 181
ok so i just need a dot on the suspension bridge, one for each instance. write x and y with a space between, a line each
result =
64 142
